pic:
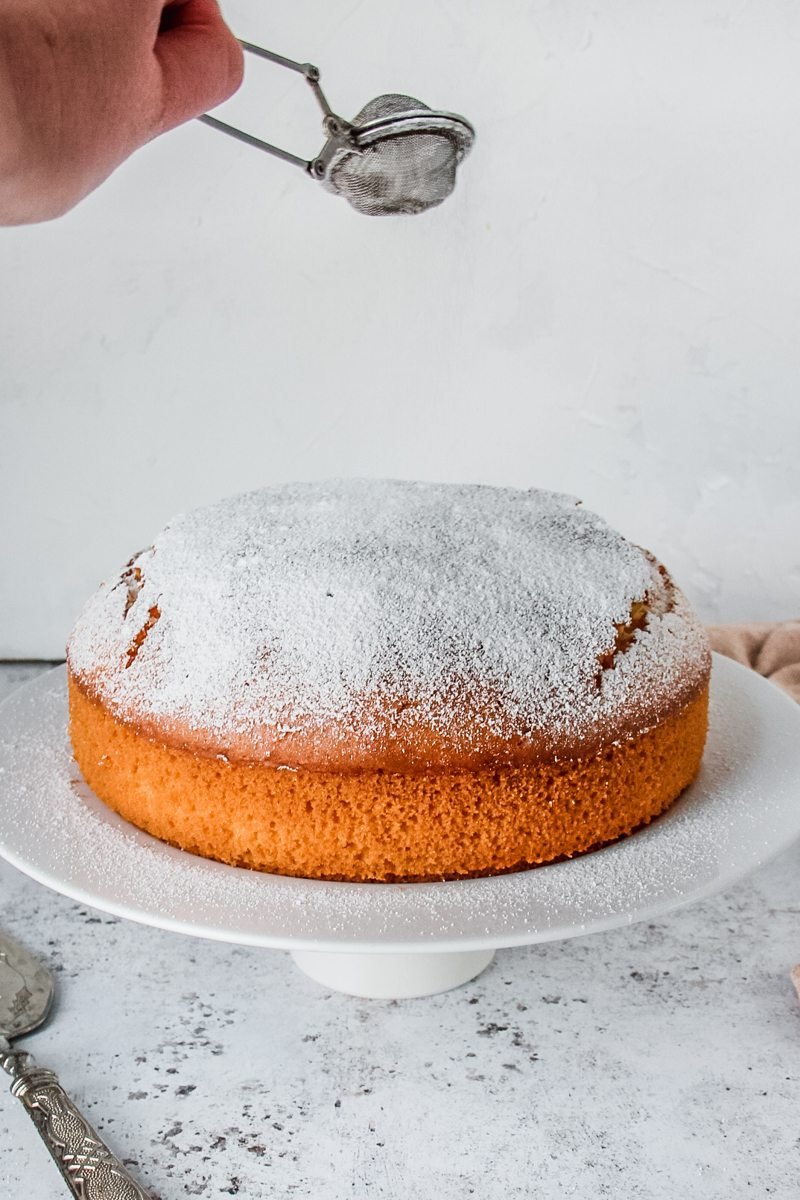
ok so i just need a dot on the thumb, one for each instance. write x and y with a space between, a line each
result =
200 60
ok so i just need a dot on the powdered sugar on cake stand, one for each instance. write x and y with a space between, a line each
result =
405 939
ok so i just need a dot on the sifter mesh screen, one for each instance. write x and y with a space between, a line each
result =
399 170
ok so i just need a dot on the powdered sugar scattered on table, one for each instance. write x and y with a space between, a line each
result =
378 608
742 809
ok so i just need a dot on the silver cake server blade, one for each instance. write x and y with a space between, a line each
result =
26 990
86 1164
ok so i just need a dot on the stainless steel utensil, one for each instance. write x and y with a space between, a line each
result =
396 156
87 1165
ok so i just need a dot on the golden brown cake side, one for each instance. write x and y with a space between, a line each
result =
386 825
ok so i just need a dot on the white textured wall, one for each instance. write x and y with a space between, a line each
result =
608 305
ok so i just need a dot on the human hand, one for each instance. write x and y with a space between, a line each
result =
85 83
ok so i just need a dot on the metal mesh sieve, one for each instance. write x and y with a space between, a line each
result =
403 159
397 156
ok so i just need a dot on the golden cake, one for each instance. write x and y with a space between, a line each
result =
377 680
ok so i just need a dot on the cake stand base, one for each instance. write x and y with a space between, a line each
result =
391 976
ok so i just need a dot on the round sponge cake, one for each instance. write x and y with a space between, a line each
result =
372 680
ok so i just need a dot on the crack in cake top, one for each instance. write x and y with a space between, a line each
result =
367 624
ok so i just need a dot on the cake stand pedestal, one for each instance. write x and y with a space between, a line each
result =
394 940
392 976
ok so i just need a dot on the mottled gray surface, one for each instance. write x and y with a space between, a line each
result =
660 1061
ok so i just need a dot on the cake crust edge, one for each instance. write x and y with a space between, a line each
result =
386 825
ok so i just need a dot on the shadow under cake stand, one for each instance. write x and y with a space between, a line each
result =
403 940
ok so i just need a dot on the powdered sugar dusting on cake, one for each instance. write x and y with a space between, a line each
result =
379 608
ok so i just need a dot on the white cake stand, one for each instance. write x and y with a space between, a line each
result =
401 940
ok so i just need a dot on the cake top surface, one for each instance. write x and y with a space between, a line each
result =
356 624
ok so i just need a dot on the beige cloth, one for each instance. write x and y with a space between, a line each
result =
772 650
794 975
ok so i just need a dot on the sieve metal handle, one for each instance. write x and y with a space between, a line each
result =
333 124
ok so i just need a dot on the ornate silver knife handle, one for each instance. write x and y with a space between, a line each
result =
89 1168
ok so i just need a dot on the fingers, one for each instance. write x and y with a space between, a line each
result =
200 60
